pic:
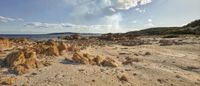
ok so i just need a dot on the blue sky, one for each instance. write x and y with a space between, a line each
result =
95 16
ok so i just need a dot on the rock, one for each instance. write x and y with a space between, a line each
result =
39 64
110 62
83 59
20 69
15 58
30 62
74 48
5 43
131 60
62 47
50 43
7 81
52 51
147 53
123 78
22 61
40 48
98 60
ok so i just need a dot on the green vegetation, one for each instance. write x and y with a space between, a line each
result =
192 28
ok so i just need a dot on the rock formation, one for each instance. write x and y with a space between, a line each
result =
21 61
5 43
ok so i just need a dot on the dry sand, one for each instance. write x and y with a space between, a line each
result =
176 65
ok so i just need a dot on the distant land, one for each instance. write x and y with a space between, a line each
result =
192 28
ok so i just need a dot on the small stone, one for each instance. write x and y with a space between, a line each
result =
93 80
123 78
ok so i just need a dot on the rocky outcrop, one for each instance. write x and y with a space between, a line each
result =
83 59
15 58
21 61
51 48
97 60
89 59
52 51
7 80
62 47
5 43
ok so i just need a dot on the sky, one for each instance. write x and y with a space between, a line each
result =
93 16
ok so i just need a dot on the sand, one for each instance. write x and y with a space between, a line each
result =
175 65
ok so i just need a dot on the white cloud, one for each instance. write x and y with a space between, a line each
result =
149 20
143 2
110 27
105 12
8 19
140 10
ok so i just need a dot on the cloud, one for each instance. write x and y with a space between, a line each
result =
99 15
74 27
104 12
140 10
8 19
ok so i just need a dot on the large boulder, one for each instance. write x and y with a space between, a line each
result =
21 61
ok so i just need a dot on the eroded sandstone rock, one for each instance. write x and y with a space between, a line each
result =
83 59
22 61
98 60
52 51
7 80
110 62
5 43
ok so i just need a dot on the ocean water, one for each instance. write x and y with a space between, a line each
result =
41 36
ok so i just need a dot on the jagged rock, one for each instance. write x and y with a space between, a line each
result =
50 43
110 62
62 47
83 59
15 58
52 51
5 43
20 69
74 48
40 48
22 61
98 60
7 80
31 60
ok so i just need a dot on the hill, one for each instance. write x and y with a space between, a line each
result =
191 28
